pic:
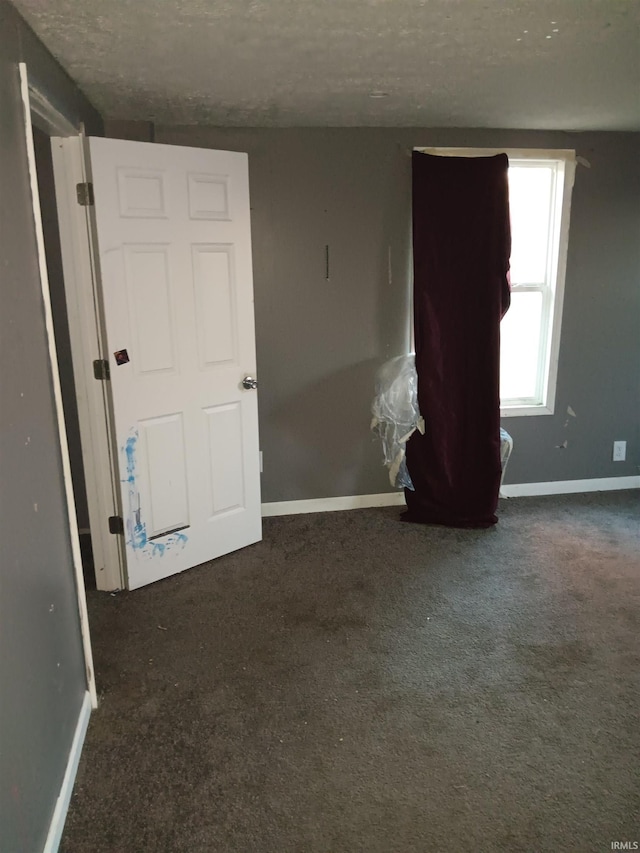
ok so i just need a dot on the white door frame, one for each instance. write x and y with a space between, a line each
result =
87 336
53 357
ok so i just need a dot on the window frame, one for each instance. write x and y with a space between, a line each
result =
553 291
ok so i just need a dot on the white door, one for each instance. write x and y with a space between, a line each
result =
174 251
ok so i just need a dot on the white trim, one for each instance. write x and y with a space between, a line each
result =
64 797
515 490
569 487
549 392
48 119
57 391
332 504
524 411
85 335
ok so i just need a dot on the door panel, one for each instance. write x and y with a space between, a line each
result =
163 474
173 237
224 432
147 282
215 286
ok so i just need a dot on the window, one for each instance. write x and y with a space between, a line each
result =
540 184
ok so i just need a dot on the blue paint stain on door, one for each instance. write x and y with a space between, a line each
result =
136 529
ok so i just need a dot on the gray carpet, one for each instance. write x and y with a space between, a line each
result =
354 684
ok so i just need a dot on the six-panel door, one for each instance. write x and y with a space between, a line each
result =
174 250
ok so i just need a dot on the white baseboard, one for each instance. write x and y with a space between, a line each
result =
514 490
64 798
332 504
568 487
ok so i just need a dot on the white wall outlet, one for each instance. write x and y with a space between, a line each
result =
619 451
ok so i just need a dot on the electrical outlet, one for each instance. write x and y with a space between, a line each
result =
619 451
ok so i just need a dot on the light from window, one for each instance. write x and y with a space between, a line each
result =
530 331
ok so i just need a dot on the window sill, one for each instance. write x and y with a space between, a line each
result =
520 411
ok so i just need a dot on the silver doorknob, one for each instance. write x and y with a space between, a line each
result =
249 382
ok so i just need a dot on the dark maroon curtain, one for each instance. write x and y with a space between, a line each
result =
461 248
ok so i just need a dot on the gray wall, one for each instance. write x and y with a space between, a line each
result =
42 680
319 343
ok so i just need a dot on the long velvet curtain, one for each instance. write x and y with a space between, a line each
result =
461 248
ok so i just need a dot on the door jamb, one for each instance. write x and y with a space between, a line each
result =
86 337
53 357
88 345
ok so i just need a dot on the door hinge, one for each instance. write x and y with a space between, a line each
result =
101 369
84 193
116 524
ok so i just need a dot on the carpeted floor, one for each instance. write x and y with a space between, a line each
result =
354 684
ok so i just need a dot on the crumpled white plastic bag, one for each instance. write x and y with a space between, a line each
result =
396 415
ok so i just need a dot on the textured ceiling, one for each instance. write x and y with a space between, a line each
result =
548 64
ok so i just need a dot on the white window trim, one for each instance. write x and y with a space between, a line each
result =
568 156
